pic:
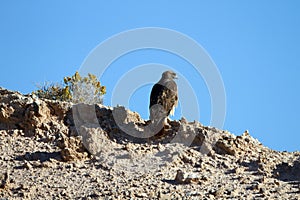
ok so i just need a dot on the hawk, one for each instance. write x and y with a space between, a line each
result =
163 99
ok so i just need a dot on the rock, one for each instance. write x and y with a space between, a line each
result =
141 195
27 165
189 134
225 146
218 192
69 154
94 138
72 148
186 178
4 180
164 197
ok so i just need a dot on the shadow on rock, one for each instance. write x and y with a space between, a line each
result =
288 172
252 166
39 156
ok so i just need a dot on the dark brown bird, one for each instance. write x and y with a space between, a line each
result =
163 99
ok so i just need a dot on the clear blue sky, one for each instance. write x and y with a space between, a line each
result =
255 45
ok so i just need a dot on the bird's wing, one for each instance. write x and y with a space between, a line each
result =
163 100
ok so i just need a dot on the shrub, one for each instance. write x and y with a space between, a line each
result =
75 89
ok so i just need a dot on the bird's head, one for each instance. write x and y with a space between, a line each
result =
169 75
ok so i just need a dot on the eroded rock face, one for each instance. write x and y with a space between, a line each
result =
30 114
56 150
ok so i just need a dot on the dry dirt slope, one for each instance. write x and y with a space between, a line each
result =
53 150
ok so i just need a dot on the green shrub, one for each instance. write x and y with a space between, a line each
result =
75 89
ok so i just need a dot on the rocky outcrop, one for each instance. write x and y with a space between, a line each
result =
52 149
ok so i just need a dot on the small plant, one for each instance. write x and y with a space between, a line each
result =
75 89
51 91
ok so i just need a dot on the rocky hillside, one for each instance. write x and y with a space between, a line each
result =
56 150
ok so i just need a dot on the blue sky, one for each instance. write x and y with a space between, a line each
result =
254 44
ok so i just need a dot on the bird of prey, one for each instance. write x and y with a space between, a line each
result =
163 99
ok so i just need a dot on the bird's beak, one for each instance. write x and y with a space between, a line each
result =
174 76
